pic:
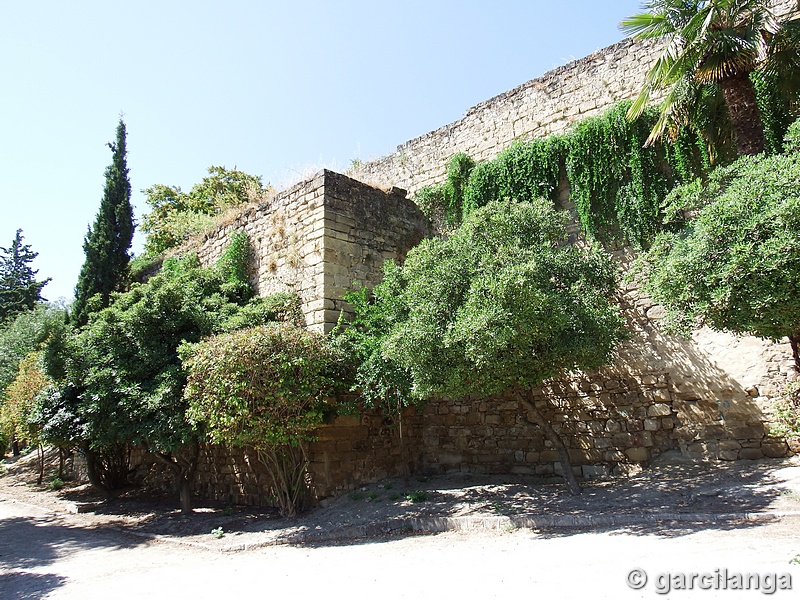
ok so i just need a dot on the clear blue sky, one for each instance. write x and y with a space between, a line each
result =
277 89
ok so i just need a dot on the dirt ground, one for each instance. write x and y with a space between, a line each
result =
672 489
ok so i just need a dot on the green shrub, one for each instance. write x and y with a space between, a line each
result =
264 388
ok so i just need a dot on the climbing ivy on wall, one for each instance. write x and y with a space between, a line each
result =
443 203
233 264
776 110
523 172
617 184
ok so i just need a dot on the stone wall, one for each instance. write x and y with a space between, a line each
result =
709 397
610 422
548 104
318 238
286 239
364 226
348 452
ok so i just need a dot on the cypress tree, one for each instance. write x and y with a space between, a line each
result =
107 243
19 290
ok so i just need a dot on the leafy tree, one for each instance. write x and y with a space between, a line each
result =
16 411
176 215
380 382
264 388
123 366
19 290
55 418
501 305
22 335
106 245
720 42
736 265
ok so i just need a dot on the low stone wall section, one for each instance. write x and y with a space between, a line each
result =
349 452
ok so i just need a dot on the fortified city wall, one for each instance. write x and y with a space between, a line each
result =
710 397
548 104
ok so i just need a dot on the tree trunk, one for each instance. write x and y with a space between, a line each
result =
794 341
287 465
93 471
183 472
15 447
535 416
740 98
61 458
40 455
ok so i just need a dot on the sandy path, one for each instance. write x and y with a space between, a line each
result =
48 556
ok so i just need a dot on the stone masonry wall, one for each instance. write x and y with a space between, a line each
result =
364 227
610 423
320 237
709 397
350 451
548 104
286 240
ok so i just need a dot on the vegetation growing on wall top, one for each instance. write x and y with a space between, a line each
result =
616 183
176 215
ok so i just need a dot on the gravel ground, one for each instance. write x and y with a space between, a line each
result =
670 521
672 490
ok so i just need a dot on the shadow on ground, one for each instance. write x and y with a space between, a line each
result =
29 544
671 499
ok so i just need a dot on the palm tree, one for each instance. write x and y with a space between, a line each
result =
716 42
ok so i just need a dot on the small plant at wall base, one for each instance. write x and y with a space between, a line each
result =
787 418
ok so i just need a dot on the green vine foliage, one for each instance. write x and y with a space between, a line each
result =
525 171
776 110
618 184
443 203
791 143
233 266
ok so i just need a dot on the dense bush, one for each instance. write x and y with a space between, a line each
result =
22 335
500 305
123 367
264 388
736 265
